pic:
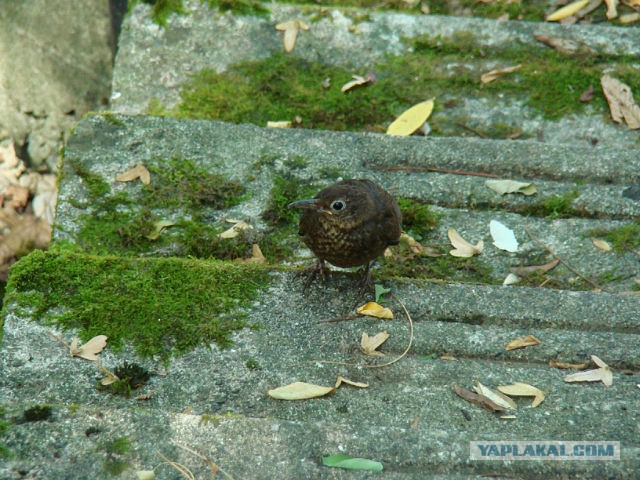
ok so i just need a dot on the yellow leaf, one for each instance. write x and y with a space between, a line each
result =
564 365
89 350
601 244
629 18
340 380
139 171
566 11
523 342
279 124
291 29
462 248
356 82
373 309
300 391
494 74
412 119
235 230
612 9
496 397
518 389
369 344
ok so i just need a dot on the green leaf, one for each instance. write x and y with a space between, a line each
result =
351 463
380 290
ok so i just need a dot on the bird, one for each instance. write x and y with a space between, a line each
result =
349 224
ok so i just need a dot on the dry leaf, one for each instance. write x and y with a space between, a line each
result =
478 399
496 397
601 244
139 171
518 389
11 167
158 227
357 81
291 29
629 18
145 474
300 391
587 95
563 45
235 230
280 124
340 380
413 245
369 344
524 271
44 206
612 9
462 248
494 74
447 357
26 232
602 374
109 378
89 350
256 255
564 365
566 11
511 186
373 309
523 342
621 103
503 237
414 423
511 279
412 119
144 396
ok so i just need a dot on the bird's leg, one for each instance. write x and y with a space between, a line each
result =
313 271
366 282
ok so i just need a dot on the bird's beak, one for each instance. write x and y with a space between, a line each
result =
310 203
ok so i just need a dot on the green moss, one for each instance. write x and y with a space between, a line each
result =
296 163
623 239
4 426
328 172
161 9
115 449
112 119
37 413
253 364
284 191
417 218
213 419
556 206
240 7
131 376
125 222
162 306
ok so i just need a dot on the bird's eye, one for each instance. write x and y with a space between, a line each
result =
338 205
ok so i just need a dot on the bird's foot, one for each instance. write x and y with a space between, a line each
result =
312 272
366 282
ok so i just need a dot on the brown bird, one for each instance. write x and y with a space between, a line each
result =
349 223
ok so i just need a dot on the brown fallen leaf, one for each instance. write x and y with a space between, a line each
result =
477 399
587 95
25 231
602 374
523 342
495 74
563 45
524 271
357 82
139 171
340 380
373 309
300 391
369 345
629 18
462 248
518 389
412 243
553 363
621 103
256 255
414 423
235 230
496 397
89 350
291 29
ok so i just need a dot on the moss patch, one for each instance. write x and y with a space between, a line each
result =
163 307
623 239
417 218
556 206
115 462
131 376
125 223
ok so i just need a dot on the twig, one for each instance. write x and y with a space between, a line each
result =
179 467
406 350
344 318
214 467
555 255
60 340
437 170
472 130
